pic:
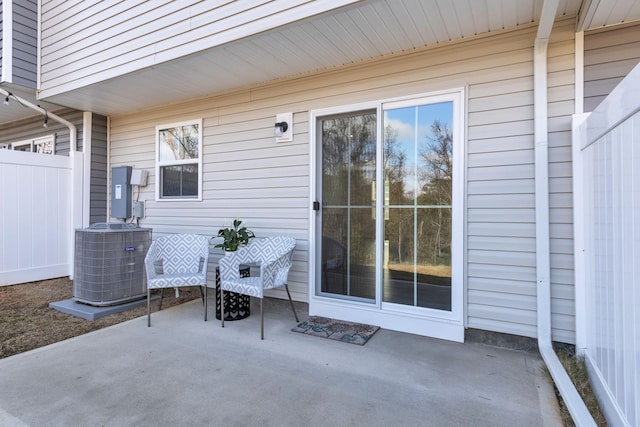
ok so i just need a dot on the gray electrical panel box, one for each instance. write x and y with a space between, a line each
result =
121 192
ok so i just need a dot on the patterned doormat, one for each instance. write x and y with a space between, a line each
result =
339 330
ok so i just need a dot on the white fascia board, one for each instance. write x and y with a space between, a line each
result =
585 16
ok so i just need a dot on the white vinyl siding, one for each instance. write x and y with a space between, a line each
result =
248 175
85 42
609 56
501 262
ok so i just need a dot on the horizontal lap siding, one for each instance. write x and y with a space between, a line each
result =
609 56
90 41
98 189
25 41
245 174
500 253
501 258
248 175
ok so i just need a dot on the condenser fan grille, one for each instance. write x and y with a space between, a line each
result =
109 263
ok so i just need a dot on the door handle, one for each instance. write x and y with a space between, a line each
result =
316 206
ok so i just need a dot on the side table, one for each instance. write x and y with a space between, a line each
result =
236 306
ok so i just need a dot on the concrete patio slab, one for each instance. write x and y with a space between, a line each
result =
183 371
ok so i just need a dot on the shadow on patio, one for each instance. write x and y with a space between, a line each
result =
183 371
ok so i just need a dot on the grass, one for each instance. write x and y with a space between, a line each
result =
430 270
577 371
27 322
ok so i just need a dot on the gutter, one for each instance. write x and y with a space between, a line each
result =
572 399
76 171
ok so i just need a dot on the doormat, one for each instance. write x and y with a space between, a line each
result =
339 330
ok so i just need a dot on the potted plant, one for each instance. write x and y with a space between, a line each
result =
234 237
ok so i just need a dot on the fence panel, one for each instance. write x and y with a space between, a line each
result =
35 216
610 156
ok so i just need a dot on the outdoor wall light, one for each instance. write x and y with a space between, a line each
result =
284 127
281 128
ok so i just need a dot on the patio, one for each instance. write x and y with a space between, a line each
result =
183 371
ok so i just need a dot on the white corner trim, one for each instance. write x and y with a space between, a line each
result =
579 229
7 42
579 74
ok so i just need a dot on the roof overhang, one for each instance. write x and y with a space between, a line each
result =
14 110
358 32
596 14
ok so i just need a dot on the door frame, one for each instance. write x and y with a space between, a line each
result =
433 323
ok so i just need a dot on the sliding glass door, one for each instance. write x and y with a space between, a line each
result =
389 202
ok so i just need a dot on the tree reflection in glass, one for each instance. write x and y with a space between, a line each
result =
348 226
418 174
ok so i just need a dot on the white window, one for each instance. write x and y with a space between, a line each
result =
43 145
179 161
22 146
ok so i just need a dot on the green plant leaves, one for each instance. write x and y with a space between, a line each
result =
234 237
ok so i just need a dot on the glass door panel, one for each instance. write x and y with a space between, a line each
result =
417 161
347 161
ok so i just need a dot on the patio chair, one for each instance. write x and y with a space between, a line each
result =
176 261
273 255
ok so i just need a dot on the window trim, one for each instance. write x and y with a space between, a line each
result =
160 164
33 143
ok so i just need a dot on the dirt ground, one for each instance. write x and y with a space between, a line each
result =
27 322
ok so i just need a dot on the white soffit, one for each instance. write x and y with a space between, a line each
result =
347 35
601 13
15 111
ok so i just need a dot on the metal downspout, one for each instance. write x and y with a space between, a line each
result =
76 181
572 399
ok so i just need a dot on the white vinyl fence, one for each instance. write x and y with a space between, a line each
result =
610 245
35 216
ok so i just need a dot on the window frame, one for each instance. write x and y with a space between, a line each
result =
33 144
160 164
